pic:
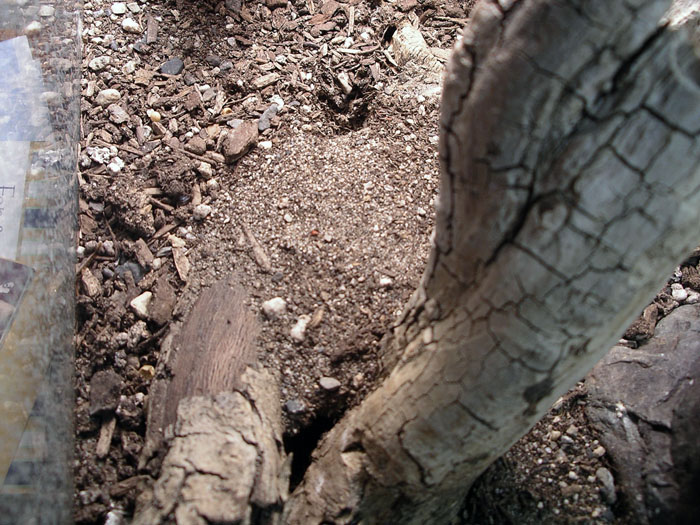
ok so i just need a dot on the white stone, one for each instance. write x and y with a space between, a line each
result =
99 63
329 383
274 307
99 155
118 8
298 331
33 28
46 11
288 217
385 282
678 292
276 99
205 170
140 304
134 7
201 212
115 166
693 298
213 185
265 144
107 97
131 26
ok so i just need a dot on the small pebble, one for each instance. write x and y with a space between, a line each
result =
205 170
274 307
608 488
99 63
33 28
174 66
554 435
599 451
153 115
385 282
140 304
107 97
288 217
298 331
131 26
294 406
693 298
264 120
678 292
118 8
329 383
46 11
115 166
201 212
108 248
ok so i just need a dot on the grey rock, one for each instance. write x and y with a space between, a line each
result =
201 212
105 389
639 404
295 406
174 66
213 60
139 305
264 120
329 383
608 485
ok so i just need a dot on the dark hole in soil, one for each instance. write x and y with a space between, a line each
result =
388 33
303 443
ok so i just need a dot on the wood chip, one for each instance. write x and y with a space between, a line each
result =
317 317
182 263
151 30
91 286
259 255
143 253
105 439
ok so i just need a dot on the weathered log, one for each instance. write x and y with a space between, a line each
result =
226 461
205 356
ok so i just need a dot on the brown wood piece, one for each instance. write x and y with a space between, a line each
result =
105 439
207 356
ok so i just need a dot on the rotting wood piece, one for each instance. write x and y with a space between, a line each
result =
206 355
226 462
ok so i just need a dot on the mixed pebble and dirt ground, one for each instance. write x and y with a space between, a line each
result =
278 145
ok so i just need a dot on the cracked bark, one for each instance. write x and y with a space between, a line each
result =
225 463
569 191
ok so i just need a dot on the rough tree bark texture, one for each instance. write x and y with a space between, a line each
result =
226 462
570 189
